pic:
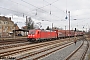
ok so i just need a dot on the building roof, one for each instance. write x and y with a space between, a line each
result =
3 18
21 30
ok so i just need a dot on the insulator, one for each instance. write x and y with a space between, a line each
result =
50 12
23 15
66 17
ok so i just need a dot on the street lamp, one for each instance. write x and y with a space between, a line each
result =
69 21
69 24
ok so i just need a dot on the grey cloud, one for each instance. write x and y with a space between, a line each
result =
43 8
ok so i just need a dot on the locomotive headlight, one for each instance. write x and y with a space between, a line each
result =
28 35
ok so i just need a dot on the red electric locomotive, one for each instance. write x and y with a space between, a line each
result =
40 35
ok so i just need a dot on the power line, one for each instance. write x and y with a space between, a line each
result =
40 7
47 4
21 5
23 14
25 6
55 6
32 5
10 10
36 7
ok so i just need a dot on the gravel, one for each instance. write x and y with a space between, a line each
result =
61 54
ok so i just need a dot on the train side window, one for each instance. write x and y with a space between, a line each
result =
38 32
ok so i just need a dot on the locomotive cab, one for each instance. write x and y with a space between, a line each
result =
31 35
34 35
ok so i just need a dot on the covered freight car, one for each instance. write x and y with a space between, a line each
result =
65 33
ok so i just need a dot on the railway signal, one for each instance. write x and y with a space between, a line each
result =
75 29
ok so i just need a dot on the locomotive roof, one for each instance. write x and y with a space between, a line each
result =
43 30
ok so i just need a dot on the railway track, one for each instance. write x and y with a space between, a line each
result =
12 41
24 50
51 50
13 45
37 54
18 50
79 53
7 46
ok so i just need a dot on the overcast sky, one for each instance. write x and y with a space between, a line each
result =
51 11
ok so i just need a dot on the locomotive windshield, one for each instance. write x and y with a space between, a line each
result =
31 32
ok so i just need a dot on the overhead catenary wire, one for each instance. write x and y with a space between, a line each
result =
36 12
31 5
23 6
42 7
26 6
17 6
23 13
55 6
45 6
37 7
10 10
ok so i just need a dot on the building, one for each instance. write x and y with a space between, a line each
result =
6 26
